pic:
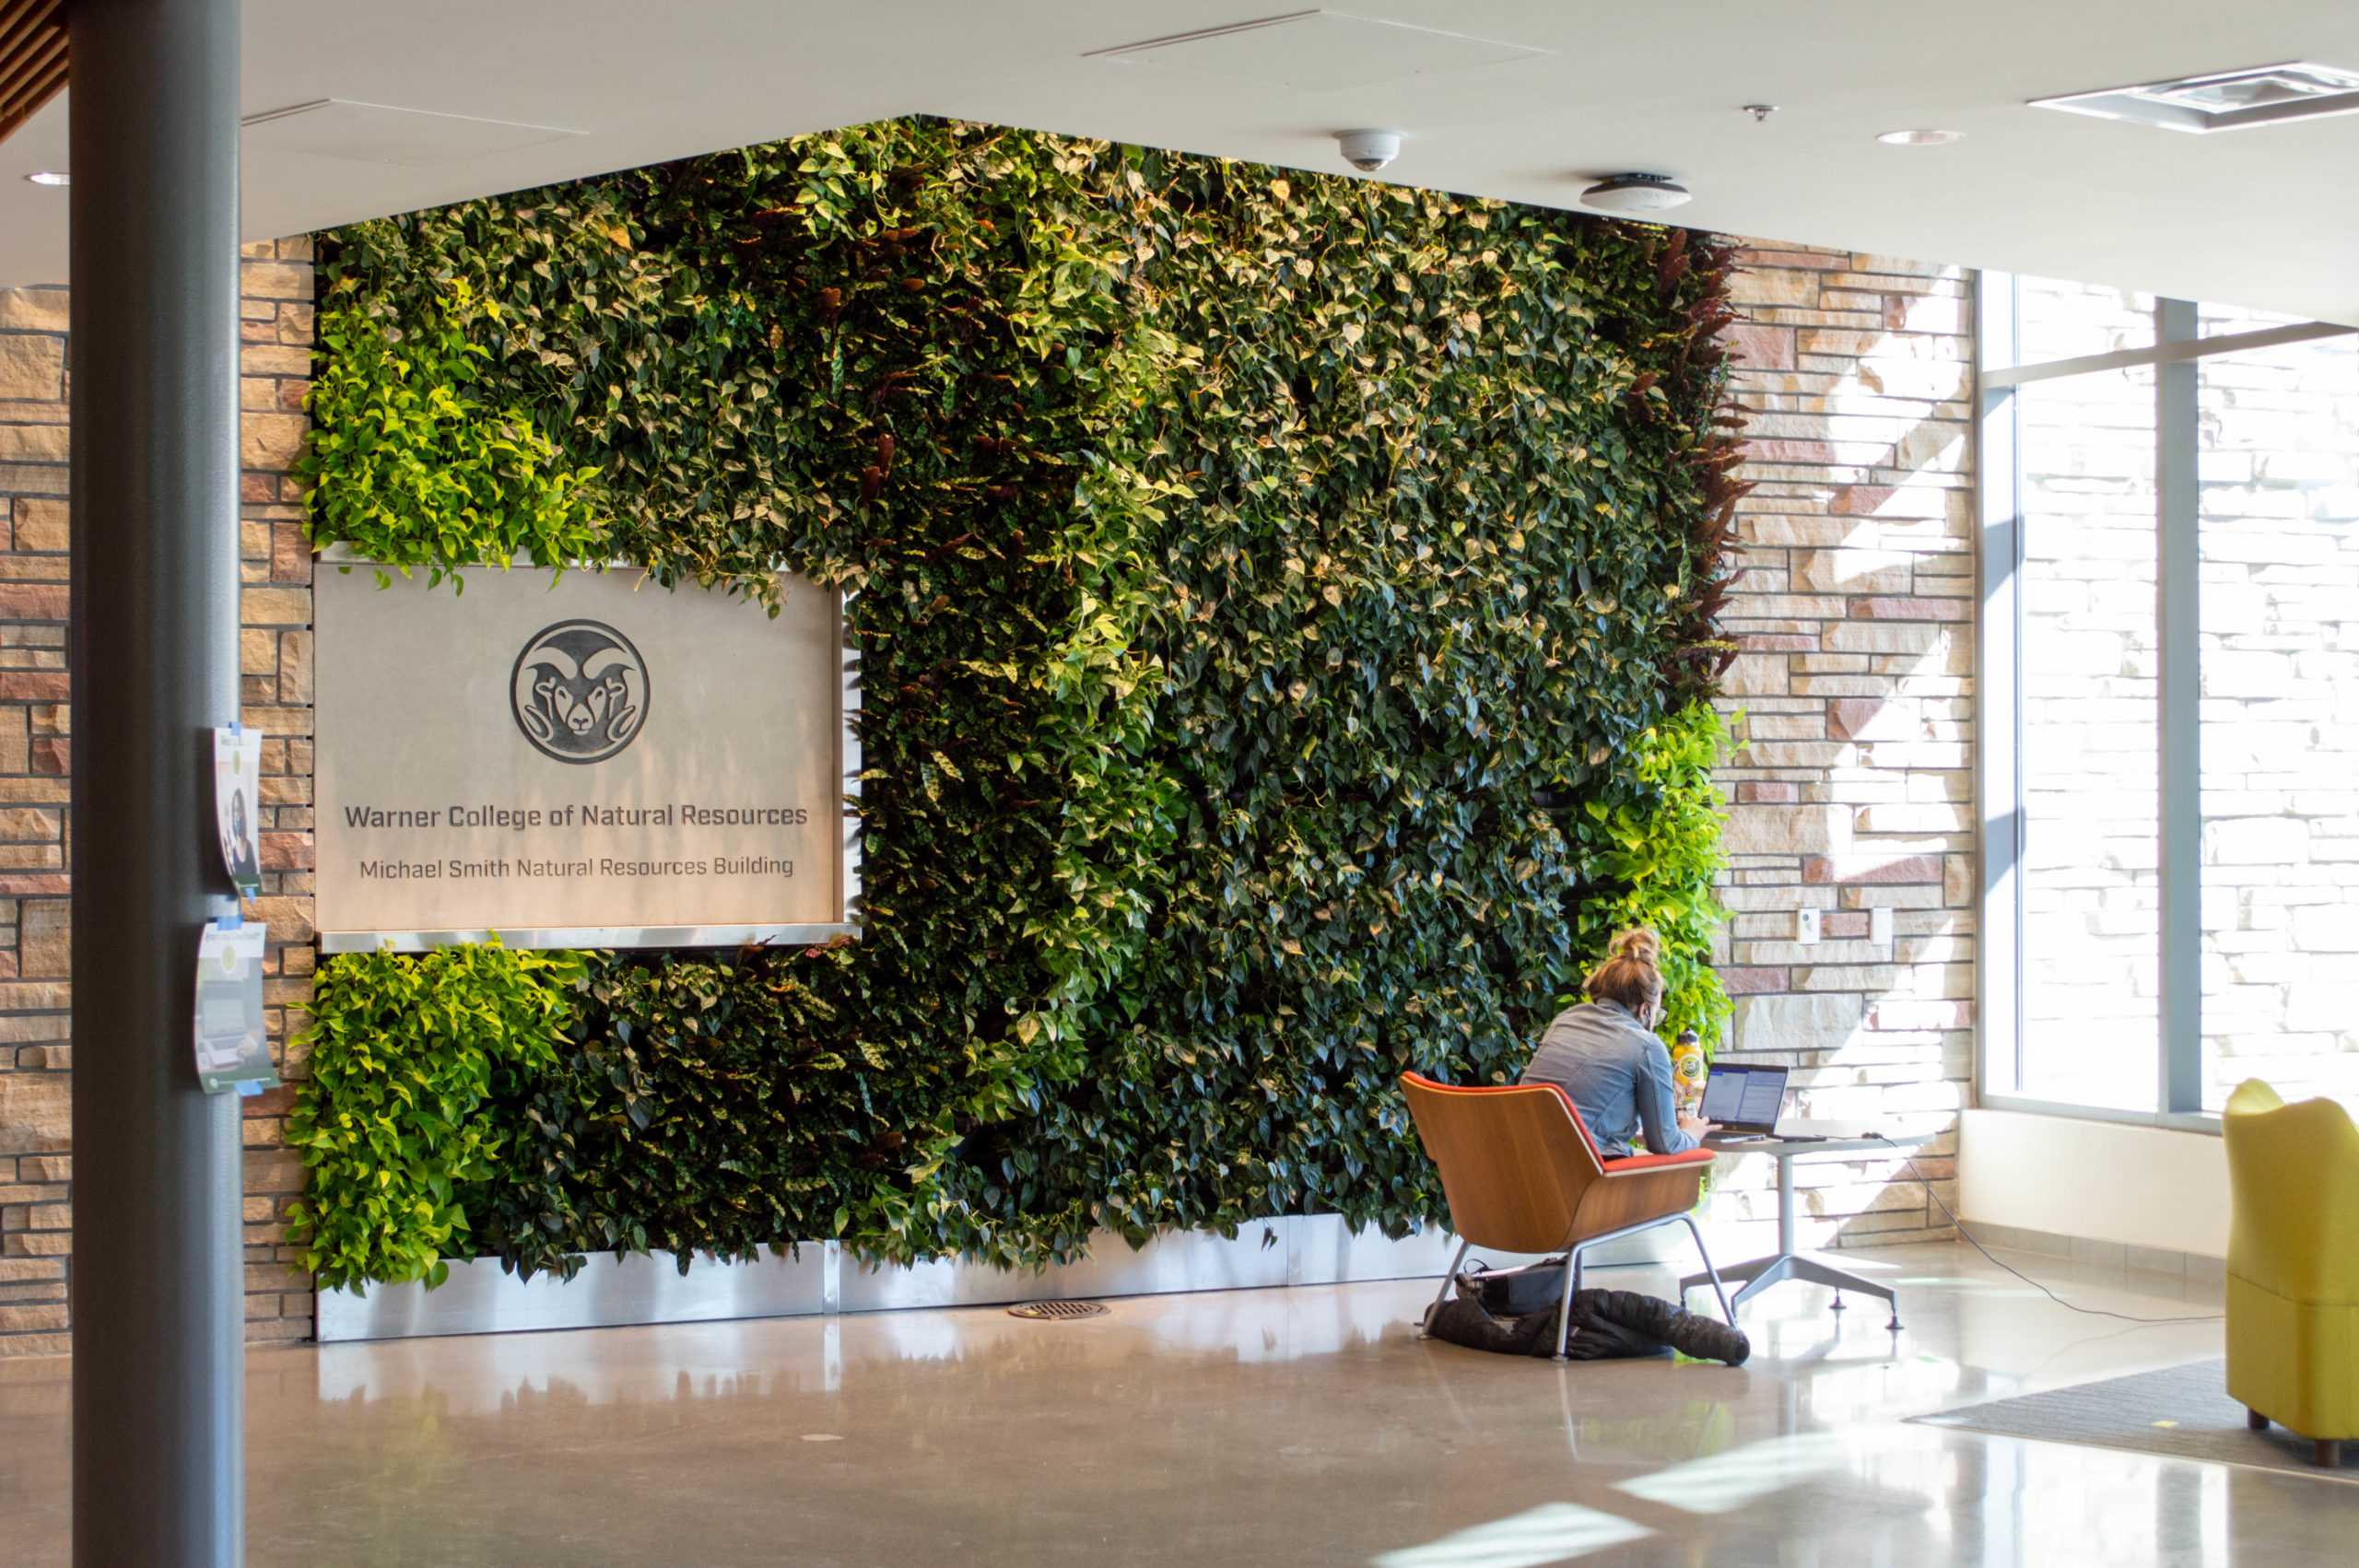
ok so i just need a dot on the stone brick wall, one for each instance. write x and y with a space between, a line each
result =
275 677
36 1161
36 1171
1855 620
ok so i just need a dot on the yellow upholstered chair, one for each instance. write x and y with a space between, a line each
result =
2294 1265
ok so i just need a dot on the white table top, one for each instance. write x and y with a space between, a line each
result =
1787 1148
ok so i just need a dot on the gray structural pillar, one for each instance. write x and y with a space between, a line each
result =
159 1319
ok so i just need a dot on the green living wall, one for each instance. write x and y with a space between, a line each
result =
1285 611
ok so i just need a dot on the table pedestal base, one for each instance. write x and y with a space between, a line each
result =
1762 1272
1790 1262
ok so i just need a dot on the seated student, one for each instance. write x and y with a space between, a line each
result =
1604 1053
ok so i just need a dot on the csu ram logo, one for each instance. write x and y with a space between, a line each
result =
579 691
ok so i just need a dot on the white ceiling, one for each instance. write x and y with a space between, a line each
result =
2265 218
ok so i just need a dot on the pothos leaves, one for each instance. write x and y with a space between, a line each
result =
1261 580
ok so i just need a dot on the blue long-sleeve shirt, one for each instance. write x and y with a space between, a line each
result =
1618 1073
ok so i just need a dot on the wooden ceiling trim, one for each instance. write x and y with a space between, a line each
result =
33 59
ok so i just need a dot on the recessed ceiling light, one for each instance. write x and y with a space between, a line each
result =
1636 193
50 177
2223 100
1927 138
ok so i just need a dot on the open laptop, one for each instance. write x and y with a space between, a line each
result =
1749 1101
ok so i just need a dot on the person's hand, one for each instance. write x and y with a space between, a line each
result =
1696 1127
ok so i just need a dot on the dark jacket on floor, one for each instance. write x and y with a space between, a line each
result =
1607 1325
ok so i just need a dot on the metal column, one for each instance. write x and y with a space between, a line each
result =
1787 1240
159 1398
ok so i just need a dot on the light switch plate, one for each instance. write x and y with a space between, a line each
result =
1880 927
1805 926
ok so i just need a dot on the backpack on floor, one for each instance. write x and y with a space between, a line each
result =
1510 1293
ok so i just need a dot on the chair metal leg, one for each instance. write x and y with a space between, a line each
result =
1728 1313
2255 1421
1448 1279
1565 1307
2327 1452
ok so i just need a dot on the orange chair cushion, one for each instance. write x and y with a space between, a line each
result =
1655 1161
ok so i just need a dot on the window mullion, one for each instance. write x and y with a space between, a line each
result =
2177 573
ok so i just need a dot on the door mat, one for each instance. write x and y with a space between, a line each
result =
2180 1412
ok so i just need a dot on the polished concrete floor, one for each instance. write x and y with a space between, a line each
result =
1269 1428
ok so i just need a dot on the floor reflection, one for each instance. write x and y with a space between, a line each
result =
1271 1426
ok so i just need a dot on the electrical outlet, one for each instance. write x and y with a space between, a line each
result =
1805 926
1880 927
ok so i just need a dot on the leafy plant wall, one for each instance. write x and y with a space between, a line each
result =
1285 604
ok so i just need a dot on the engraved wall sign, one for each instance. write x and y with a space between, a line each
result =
596 760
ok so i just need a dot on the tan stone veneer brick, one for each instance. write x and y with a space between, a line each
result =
36 1212
36 1112
32 366
1853 620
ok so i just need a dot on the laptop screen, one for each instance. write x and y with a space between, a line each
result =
1745 1096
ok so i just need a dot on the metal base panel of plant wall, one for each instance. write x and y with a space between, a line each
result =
817 1278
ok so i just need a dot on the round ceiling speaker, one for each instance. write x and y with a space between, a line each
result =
1636 193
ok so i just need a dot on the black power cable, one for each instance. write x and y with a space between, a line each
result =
2026 1279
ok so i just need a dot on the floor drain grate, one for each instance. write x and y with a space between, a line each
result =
1058 1311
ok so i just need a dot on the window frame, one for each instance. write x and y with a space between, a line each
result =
1999 370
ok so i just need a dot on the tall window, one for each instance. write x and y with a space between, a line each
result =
2091 899
2170 702
2278 616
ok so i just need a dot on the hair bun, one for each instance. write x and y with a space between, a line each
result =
1631 976
1641 944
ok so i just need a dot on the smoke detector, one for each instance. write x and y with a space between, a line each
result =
1369 151
1636 193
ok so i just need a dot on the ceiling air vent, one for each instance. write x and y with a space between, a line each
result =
1316 52
385 134
2224 101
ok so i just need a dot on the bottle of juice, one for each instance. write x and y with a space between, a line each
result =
1687 1070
